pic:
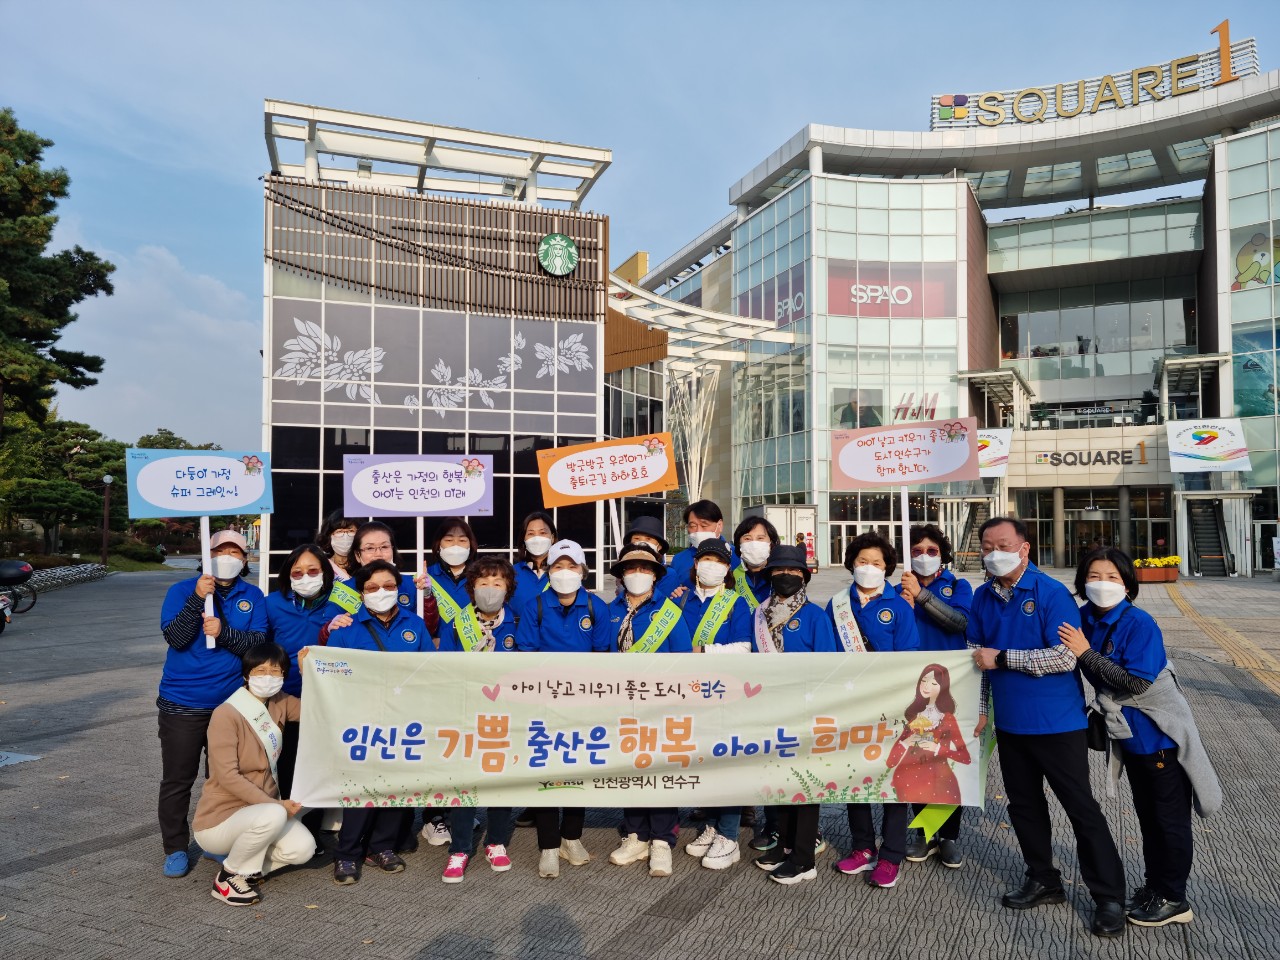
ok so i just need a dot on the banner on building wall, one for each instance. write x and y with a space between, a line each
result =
587 472
1207 446
993 452
658 730
417 486
197 483
931 452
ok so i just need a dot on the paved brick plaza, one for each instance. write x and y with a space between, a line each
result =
80 852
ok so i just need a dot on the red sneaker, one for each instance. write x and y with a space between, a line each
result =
858 861
884 875
455 868
496 854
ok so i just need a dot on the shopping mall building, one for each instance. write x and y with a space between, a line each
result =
1081 262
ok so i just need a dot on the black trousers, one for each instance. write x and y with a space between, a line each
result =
285 768
894 829
652 823
369 831
1062 759
798 831
551 830
950 829
1162 800
182 740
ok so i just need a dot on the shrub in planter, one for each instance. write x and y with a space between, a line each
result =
142 552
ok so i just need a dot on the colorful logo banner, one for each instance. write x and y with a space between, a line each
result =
398 485
993 452
601 471
197 483
929 452
645 730
1207 446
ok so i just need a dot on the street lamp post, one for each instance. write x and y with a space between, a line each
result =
106 513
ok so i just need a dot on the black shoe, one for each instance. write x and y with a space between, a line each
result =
699 814
788 873
949 854
1108 919
772 860
1158 911
768 840
919 849
1141 897
525 817
1032 893
748 818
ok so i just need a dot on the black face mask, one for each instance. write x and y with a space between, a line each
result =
787 584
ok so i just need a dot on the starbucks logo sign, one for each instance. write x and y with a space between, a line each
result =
557 254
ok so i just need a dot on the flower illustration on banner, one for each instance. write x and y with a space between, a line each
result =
511 362
475 378
570 352
314 355
445 395
654 446
472 468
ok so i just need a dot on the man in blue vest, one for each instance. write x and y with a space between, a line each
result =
703 520
1040 723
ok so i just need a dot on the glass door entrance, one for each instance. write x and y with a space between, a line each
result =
843 533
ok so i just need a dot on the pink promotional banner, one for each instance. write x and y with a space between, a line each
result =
908 454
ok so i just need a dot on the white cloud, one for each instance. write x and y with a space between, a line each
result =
181 350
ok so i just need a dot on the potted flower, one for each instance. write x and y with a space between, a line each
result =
1157 569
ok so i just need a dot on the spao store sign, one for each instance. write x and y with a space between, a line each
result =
876 289
1114 91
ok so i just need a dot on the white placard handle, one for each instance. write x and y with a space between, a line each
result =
206 566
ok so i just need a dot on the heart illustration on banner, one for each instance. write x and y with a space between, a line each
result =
750 689
491 692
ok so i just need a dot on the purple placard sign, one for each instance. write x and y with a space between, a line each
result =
403 485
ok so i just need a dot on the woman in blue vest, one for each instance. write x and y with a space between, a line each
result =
1121 651
870 617
381 624
564 619
201 669
717 620
453 546
789 623
485 625
941 601
376 541
537 534
643 621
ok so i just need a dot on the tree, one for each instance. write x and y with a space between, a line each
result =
166 439
38 290
54 502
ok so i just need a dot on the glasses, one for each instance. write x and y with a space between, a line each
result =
375 548
922 551
299 574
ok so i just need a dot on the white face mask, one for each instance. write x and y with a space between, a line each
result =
926 565
490 599
227 566
455 556
341 543
565 581
702 536
308 587
711 573
265 687
1104 593
638 584
380 601
755 552
537 546
1000 563
868 577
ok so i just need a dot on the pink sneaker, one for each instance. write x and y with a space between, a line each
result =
859 861
496 854
884 875
455 868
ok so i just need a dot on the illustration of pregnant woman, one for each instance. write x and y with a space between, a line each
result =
920 759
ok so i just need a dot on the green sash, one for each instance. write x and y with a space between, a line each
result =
449 609
469 630
713 618
744 589
660 628
345 597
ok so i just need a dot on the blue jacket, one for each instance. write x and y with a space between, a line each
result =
735 628
528 584
677 641
504 637
955 592
680 570
1023 703
197 676
293 625
581 627
809 631
1137 645
887 622
406 633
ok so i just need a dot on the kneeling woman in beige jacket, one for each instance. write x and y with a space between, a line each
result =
240 813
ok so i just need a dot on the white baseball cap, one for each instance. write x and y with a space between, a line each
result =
566 548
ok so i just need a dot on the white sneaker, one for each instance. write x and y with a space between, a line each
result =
574 852
659 858
723 854
234 889
549 863
700 846
436 833
631 849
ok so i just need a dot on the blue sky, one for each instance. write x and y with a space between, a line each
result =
156 111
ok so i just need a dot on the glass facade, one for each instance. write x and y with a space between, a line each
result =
771 249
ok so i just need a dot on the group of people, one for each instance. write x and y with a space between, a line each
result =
232 682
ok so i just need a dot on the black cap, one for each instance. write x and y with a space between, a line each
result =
786 555
650 527
639 551
714 547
